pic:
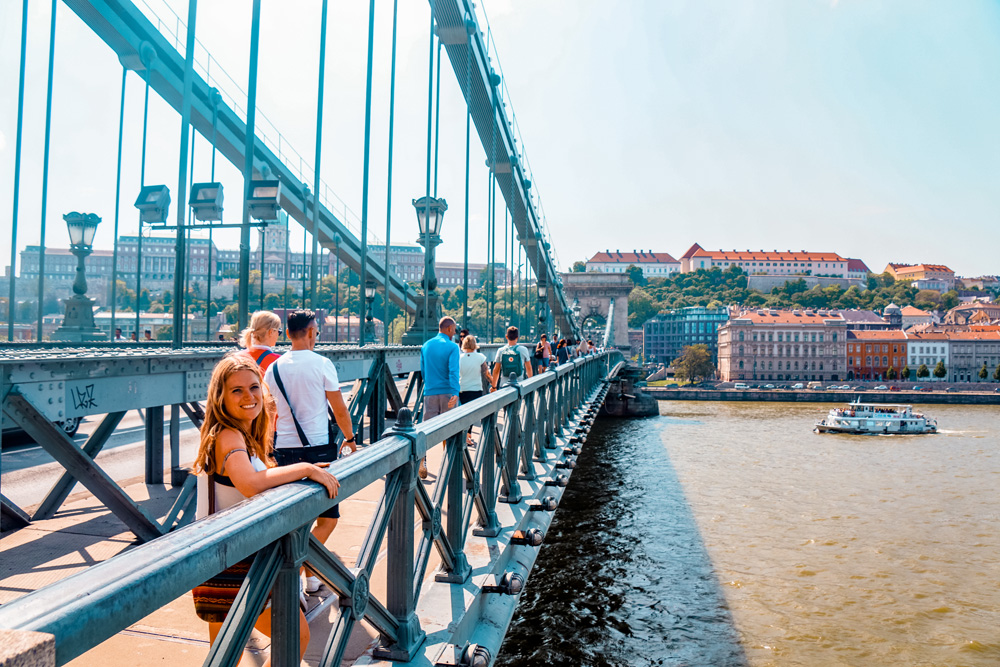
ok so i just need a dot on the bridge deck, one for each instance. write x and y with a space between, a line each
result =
85 532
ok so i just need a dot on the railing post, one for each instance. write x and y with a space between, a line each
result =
511 491
285 648
154 445
400 585
455 524
488 485
549 413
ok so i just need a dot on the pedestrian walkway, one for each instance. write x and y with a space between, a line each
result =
84 533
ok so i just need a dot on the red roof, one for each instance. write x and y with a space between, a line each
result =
857 266
876 335
764 255
940 268
635 257
788 316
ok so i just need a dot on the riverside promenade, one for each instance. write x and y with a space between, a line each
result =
837 396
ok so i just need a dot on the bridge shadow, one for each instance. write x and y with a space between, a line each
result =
83 533
624 577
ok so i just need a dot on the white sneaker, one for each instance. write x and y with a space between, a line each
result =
312 585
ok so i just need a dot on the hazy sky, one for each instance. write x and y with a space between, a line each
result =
864 127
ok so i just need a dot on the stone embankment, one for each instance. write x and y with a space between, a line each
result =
813 396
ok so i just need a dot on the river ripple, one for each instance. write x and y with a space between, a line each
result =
729 534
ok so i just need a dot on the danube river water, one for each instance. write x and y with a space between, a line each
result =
729 534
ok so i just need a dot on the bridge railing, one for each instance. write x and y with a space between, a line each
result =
520 426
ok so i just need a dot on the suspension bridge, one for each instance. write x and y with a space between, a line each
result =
432 570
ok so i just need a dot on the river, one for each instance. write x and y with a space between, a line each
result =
725 534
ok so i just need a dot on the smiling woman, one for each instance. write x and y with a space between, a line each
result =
235 462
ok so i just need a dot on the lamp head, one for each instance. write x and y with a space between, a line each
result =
263 199
153 204
206 201
370 289
81 227
430 215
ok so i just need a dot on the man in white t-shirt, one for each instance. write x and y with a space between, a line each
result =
309 381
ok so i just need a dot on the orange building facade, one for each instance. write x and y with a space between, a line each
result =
870 354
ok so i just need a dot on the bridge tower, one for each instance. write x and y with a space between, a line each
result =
594 292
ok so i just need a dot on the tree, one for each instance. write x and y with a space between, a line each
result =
640 307
635 275
923 371
940 371
996 373
166 332
695 362
949 299
890 374
905 373
983 372
579 267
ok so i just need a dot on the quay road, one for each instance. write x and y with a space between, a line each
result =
938 397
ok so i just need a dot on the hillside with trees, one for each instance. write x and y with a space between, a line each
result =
715 287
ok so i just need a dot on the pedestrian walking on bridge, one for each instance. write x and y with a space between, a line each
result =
262 335
511 359
439 365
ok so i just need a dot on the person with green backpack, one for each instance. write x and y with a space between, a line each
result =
511 358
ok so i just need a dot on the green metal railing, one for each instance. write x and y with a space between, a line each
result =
520 427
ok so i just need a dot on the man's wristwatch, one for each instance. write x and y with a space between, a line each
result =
351 439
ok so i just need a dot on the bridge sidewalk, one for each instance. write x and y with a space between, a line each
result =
84 533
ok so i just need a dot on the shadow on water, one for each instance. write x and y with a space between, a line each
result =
623 577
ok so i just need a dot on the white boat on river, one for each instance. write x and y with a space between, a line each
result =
876 419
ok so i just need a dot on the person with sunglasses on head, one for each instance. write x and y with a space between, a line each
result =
262 335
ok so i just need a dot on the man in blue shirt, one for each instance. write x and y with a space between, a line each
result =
439 359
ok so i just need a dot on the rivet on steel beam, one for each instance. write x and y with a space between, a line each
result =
530 538
546 504
558 480
568 464
571 451
511 583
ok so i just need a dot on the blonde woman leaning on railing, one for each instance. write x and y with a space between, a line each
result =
235 462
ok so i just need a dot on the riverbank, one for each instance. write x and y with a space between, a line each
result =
813 396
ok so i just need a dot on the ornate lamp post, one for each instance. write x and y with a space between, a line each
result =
543 290
369 320
430 215
78 324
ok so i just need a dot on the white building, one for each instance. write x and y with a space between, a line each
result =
767 263
653 264
927 349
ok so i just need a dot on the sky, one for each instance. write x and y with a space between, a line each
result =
862 127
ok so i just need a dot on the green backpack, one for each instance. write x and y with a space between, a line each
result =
510 362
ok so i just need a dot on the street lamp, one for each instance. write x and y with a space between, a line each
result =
430 216
263 199
153 203
369 319
543 290
78 323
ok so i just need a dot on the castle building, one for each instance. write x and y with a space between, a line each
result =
767 263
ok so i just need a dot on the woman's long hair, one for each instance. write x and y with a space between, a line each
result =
260 323
258 437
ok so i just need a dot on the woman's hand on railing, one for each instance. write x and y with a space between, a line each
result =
318 474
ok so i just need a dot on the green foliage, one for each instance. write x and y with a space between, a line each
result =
940 371
579 267
984 372
949 299
694 363
636 276
706 287
165 332
905 373
923 371
890 374
996 373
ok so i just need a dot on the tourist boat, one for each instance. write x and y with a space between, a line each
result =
876 419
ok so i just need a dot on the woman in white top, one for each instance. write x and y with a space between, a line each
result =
235 457
471 373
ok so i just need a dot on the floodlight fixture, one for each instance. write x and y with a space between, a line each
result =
206 201
153 204
263 199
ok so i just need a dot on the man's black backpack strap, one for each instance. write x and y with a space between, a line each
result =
281 388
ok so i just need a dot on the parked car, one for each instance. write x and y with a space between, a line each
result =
740 385
950 389
926 389
858 388
69 426
768 386
798 385
893 388
918 388
881 387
